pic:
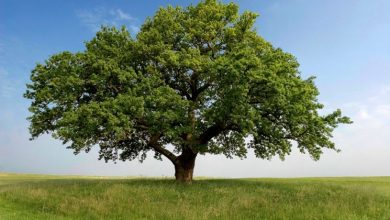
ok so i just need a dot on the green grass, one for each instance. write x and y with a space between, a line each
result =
67 197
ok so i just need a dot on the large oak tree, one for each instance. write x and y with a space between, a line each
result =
196 80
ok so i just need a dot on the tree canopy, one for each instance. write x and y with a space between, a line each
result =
197 80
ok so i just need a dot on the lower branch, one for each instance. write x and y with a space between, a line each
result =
153 142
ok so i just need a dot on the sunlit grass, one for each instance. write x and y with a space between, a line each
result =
71 197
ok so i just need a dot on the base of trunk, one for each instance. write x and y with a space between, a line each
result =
183 175
184 167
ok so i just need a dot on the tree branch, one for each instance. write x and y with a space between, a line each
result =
153 143
211 132
215 130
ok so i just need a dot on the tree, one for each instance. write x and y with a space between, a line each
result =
196 80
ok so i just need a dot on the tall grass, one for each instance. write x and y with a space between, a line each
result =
56 197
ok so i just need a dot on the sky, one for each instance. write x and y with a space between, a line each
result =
345 44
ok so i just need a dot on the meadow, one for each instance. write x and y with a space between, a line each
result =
76 197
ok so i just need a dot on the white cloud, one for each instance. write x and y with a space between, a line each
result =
120 15
371 116
377 106
95 18
134 28
384 111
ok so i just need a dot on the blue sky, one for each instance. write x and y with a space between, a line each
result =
344 43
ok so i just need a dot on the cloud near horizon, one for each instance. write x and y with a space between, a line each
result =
371 116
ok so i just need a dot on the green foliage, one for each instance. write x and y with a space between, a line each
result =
58 197
198 78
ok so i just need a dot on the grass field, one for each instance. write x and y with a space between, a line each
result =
67 197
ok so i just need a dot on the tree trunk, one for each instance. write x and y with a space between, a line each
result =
184 167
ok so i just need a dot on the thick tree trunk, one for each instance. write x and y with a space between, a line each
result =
184 167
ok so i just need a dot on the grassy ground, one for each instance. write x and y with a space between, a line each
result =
61 197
